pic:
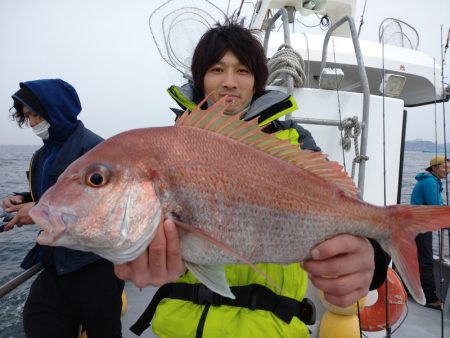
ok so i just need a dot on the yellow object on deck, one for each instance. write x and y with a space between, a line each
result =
333 325
124 303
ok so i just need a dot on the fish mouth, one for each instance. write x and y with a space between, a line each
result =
53 224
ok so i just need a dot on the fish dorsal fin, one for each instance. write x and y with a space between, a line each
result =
217 120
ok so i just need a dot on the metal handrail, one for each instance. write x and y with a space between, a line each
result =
366 91
287 40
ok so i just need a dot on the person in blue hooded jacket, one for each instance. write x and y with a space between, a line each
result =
75 288
428 191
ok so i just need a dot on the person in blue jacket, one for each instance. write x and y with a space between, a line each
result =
428 191
75 288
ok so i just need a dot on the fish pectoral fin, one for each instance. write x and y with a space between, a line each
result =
213 277
226 248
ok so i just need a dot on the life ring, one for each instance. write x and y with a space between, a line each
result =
373 318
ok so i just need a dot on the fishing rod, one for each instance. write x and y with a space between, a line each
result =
24 276
21 278
361 22
441 231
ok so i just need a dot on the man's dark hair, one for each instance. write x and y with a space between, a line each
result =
241 41
17 115
25 97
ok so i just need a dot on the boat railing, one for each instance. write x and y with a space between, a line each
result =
287 40
362 74
365 87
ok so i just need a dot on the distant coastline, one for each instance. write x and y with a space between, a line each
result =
426 146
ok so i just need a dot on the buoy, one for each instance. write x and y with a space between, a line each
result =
339 322
333 325
373 318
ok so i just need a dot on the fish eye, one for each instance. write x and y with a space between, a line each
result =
97 176
96 179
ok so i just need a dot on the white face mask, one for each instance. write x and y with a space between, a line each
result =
41 129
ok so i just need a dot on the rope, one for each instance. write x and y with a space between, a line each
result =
352 130
286 61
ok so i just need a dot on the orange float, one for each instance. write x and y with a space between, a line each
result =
373 318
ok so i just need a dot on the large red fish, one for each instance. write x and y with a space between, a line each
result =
239 194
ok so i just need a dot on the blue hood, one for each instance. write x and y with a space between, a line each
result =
427 190
61 104
424 175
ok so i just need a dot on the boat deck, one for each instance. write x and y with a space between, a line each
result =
418 321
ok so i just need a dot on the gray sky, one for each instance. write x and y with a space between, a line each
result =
105 50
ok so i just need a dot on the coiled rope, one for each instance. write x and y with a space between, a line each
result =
347 125
286 61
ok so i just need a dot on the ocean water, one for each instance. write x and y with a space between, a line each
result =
14 161
15 244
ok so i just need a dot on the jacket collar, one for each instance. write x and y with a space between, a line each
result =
267 107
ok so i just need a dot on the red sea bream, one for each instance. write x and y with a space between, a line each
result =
237 193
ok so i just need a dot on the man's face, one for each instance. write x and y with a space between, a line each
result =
232 78
441 170
33 119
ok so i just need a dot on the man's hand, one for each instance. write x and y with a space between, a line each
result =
343 268
10 203
161 263
22 216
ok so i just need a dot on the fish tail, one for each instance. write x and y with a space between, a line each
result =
411 221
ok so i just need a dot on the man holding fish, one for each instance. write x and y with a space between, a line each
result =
229 61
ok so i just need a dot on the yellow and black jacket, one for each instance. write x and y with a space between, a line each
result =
267 108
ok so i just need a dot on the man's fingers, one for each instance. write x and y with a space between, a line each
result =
160 263
335 246
13 208
342 285
347 300
338 266
137 270
175 265
11 201
11 223
122 271
157 253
